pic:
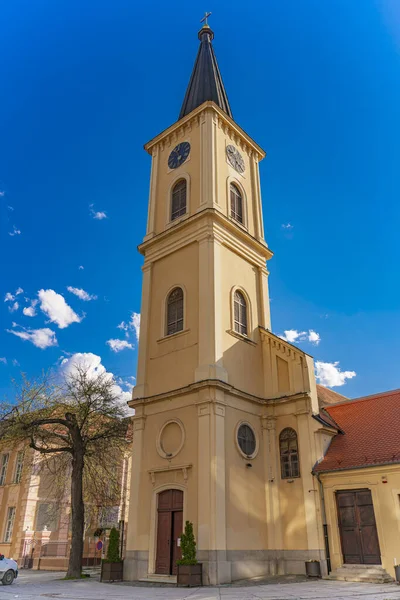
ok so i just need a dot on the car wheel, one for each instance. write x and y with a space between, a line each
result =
8 578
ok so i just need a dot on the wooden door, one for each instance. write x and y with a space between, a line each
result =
359 538
169 529
177 528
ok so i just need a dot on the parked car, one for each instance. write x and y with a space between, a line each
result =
8 570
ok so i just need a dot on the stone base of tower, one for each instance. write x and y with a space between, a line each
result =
221 567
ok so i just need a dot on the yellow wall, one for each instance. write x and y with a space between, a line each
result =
386 501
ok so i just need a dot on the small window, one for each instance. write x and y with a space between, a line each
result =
19 463
3 468
175 311
236 203
246 440
9 524
240 313
289 454
178 202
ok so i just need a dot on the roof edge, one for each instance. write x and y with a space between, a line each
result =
209 104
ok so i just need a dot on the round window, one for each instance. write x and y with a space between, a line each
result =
246 439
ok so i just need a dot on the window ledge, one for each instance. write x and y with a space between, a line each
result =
172 336
177 221
239 224
242 337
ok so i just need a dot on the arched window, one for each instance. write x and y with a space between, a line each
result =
289 453
178 202
240 313
175 311
236 203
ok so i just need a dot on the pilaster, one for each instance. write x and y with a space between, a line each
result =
139 391
271 475
153 193
134 541
310 489
210 364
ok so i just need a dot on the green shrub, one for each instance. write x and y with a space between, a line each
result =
188 546
113 555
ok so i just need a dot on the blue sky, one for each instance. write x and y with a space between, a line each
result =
85 84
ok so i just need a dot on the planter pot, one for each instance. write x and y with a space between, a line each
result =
397 573
313 569
190 575
112 571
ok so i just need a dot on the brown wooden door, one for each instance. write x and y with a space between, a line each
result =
177 528
169 529
360 544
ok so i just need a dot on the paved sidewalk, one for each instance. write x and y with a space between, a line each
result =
42 585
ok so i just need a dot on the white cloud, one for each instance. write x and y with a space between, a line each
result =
124 326
314 337
132 325
292 336
2 193
14 231
99 215
329 374
81 293
41 338
55 307
128 382
118 345
94 367
30 311
3 360
14 307
11 297
287 226
81 267
15 362
135 324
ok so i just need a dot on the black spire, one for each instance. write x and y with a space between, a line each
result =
206 81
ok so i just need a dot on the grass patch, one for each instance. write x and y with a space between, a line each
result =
82 576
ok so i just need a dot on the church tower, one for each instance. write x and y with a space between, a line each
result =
215 388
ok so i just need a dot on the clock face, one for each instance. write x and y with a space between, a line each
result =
235 159
178 155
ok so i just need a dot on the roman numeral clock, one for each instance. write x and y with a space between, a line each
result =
178 155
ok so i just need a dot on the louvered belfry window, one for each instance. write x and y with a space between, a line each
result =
240 313
236 203
178 204
175 311
289 453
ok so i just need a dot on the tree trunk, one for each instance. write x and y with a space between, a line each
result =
77 513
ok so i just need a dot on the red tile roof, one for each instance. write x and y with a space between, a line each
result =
371 427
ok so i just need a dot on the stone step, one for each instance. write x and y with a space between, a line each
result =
155 578
361 573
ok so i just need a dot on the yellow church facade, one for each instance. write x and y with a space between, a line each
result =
224 434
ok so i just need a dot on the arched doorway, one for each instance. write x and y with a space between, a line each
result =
169 530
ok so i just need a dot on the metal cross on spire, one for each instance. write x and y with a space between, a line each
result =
206 15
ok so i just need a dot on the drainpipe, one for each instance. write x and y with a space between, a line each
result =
324 523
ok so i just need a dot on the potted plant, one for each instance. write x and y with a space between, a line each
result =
112 565
189 570
313 568
397 572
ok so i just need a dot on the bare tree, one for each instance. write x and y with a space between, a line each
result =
77 421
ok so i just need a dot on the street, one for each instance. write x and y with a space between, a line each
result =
37 585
